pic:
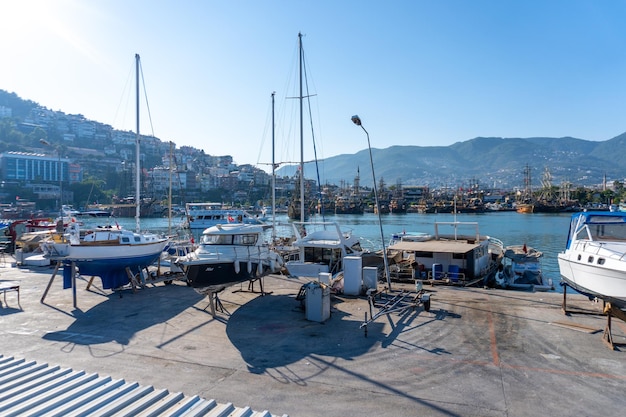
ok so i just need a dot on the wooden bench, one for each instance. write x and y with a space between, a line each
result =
4 287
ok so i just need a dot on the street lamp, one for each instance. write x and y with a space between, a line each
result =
59 172
357 121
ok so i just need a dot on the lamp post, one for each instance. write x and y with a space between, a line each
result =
59 172
357 121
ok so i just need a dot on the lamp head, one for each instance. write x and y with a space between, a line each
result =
356 120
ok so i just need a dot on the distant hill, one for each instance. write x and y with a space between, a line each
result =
496 162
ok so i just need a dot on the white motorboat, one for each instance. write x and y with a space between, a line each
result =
594 260
204 215
228 254
321 247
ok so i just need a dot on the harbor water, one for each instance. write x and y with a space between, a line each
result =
544 232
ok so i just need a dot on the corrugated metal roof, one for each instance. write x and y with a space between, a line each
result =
31 388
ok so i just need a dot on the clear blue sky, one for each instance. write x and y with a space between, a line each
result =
417 72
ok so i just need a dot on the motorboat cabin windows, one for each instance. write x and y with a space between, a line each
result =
601 261
322 255
590 259
238 239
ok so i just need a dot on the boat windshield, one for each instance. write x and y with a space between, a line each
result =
608 231
244 240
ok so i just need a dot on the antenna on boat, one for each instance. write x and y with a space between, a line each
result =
357 121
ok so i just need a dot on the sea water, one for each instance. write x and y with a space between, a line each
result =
544 232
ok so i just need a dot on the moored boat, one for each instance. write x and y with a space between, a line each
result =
521 270
460 257
204 215
594 259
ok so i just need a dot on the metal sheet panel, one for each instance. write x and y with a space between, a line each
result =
51 391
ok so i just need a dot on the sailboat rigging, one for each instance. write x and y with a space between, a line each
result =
321 246
111 253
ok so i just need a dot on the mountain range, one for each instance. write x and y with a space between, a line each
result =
488 161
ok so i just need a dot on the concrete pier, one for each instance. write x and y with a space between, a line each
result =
477 352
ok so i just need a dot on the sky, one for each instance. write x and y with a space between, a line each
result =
417 72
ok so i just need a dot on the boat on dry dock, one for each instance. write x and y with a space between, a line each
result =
594 259
228 254
112 254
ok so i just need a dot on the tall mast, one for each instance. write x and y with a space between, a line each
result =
169 197
137 167
301 136
273 174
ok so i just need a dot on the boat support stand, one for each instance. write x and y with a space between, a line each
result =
399 303
251 287
612 311
609 311
54 274
215 303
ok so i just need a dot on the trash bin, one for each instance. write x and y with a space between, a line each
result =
317 304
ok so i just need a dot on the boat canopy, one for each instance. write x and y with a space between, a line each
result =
442 246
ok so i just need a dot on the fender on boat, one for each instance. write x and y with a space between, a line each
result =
236 265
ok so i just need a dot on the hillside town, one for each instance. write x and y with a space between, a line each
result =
49 159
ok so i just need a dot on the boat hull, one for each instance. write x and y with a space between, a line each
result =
109 262
214 275
604 282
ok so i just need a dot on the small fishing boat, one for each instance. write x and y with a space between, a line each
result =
594 260
228 254
521 270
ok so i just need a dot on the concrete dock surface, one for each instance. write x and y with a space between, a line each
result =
477 352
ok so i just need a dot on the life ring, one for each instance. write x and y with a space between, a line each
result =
500 279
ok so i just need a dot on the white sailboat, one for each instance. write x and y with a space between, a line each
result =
109 253
321 246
